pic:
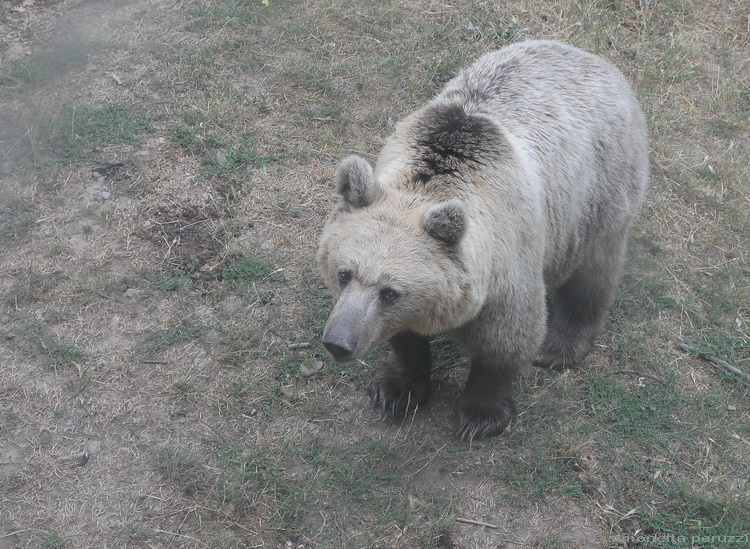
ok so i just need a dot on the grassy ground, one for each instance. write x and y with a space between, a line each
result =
165 169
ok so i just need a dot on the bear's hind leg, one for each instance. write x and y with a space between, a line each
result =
403 382
579 306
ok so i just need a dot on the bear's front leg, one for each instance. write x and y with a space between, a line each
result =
403 382
486 406
501 340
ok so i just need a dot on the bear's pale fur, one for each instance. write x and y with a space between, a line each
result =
498 212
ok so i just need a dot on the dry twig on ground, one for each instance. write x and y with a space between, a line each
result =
717 362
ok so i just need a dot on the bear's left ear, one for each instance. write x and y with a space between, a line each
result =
356 183
447 221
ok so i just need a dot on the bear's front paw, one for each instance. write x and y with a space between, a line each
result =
483 420
563 351
394 392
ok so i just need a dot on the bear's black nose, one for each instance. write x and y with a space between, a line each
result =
337 351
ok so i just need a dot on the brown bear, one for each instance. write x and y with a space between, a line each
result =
498 212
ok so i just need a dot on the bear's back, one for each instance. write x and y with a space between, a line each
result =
546 94
573 119
538 136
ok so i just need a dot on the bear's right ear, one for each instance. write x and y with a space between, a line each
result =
355 182
447 221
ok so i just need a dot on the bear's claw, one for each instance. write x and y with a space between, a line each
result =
396 405
390 397
470 431
480 422
556 362
388 406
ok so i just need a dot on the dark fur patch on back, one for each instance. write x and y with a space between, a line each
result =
449 139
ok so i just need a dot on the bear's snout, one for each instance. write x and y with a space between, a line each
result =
352 328
339 352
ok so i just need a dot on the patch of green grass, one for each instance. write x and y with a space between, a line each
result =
553 542
53 541
31 285
317 303
630 410
531 475
228 154
707 172
242 345
184 328
241 268
287 370
78 385
373 481
33 340
249 479
199 64
714 305
355 474
118 284
692 516
45 65
173 283
16 217
288 379
196 132
59 413
500 32
185 137
643 292
82 131
235 159
237 395
295 483
232 14
135 532
326 98
180 467
183 390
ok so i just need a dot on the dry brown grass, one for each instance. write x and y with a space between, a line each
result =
148 396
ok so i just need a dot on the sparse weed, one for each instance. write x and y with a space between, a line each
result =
630 410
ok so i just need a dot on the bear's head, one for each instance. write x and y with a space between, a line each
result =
393 261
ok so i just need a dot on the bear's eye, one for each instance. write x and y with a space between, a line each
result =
344 277
389 294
